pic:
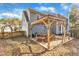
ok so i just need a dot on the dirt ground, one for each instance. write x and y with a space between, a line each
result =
20 46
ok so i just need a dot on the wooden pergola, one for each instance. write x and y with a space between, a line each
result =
48 21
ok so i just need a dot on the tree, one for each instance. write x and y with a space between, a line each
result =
73 19
72 15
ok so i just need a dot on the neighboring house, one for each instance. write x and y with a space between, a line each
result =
29 15
14 24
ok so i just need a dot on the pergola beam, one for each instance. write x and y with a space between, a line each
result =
39 21
45 23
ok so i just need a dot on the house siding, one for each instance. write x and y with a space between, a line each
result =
25 25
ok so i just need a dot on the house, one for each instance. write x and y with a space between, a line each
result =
30 15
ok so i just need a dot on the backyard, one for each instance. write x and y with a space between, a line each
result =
19 46
44 27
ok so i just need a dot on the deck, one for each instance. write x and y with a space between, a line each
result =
53 44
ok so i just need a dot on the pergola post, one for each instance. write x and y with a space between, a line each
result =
48 37
48 32
64 34
2 30
30 32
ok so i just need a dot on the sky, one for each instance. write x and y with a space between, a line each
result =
15 9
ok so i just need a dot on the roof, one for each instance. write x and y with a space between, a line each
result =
43 14
55 16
